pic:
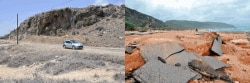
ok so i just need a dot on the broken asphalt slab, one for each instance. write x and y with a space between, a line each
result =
216 46
163 50
214 63
205 69
155 71
182 58
176 59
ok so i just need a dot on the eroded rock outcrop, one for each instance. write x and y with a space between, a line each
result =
100 24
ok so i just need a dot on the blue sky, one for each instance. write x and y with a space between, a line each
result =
28 8
236 12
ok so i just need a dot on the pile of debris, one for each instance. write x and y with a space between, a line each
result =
169 62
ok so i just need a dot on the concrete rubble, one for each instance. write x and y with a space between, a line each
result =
163 50
214 63
169 62
157 72
216 46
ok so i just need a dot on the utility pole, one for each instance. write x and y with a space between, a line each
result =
17 29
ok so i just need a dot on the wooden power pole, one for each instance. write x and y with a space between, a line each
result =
17 28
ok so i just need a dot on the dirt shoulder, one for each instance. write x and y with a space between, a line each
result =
32 62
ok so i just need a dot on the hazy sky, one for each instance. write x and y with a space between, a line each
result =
28 8
236 12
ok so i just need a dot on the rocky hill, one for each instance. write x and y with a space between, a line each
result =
93 25
183 24
138 19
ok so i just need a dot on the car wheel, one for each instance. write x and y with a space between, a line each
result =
64 46
73 47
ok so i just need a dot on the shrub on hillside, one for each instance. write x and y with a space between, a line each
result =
129 27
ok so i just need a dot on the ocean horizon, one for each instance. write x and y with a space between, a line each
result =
241 29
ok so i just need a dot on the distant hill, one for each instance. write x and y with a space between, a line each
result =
137 19
93 25
183 24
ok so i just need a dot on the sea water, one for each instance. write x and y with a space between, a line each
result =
242 29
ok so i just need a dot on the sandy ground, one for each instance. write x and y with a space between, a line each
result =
236 51
29 60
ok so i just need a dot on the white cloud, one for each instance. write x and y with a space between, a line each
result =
120 2
228 11
101 2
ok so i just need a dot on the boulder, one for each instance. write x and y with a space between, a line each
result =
155 71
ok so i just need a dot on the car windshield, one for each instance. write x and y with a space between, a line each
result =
74 41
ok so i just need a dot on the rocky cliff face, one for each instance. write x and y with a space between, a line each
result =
97 22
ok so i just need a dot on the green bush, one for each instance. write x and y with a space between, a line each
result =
59 32
129 27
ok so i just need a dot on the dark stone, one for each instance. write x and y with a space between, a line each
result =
155 71
133 46
216 46
163 50
128 50
161 59
177 64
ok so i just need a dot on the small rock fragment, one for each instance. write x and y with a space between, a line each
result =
128 50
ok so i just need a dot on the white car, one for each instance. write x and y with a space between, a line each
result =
72 44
